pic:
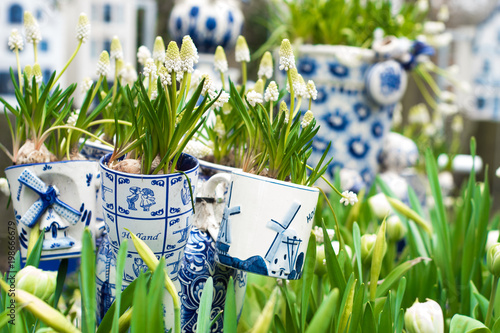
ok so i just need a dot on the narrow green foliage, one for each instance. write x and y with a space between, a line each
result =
88 284
120 267
230 316
203 324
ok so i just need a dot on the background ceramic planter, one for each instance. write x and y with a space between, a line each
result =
59 197
158 209
356 100
266 226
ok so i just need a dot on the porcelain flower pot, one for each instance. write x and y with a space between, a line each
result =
199 262
357 94
266 226
58 197
156 208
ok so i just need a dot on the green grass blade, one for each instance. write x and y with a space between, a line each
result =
395 275
335 273
139 314
88 284
120 267
307 279
230 317
34 257
203 323
322 317
356 237
154 321
61 277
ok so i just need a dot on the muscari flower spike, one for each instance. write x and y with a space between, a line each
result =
242 52
259 86
348 198
116 49
73 117
159 50
220 60
223 99
266 66
32 30
16 40
143 54
254 97
311 91
173 58
272 93
189 54
37 72
165 76
150 69
83 28
197 149
208 86
219 127
29 73
86 84
103 65
284 109
287 59
306 120
299 86
128 74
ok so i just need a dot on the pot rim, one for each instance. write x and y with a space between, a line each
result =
242 173
363 53
218 167
133 175
50 163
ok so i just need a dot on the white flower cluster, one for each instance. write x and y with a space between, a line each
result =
318 234
223 99
150 70
73 117
173 61
37 72
208 86
287 59
306 120
86 84
31 29
159 50
220 60
419 114
16 40
253 97
189 54
116 49
103 65
128 74
242 52
197 149
165 77
83 28
348 198
143 54
266 66
219 127
272 93
311 91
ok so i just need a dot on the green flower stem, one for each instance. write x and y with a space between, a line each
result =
337 227
109 121
310 103
96 88
35 51
222 80
46 134
67 64
292 101
34 234
299 102
271 111
19 75
149 86
173 93
429 80
244 73
492 301
115 85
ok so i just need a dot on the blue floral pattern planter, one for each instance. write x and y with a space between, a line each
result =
356 100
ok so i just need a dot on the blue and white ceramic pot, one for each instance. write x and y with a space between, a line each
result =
59 198
357 94
156 208
266 226
209 23
199 262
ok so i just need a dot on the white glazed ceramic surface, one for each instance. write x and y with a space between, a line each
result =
266 226
157 209
63 196
356 100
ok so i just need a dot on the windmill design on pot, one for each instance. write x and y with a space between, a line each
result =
282 255
224 239
58 213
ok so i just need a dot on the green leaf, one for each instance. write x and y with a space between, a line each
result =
321 320
139 312
88 284
335 273
154 322
356 237
395 275
120 267
464 324
230 317
368 323
203 323
307 279
61 276
36 252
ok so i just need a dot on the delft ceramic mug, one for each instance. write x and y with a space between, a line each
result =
59 197
266 226
156 208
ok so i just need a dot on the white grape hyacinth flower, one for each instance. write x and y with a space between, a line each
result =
287 59
348 198
189 54
103 65
31 29
86 84
307 119
242 52
197 149
83 28
143 54
16 40
223 99
254 97
266 66
220 60
272 93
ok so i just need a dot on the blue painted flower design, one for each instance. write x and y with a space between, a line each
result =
322 95
338 70
362 110
307 66
332 168
336 120
390 81
357 147
377 129
319 145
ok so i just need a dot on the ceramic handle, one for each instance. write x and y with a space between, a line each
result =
208 190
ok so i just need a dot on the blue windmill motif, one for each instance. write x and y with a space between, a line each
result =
48 198
283 252
224 237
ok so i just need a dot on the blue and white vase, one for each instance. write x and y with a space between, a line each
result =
156 208
199 262
266 226
358 90
209 23
58 197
